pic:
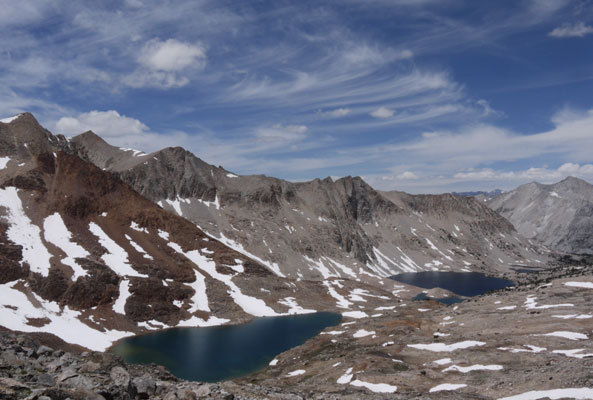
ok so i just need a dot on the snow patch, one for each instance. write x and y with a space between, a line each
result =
477 367
239 248
64 322
56 233
9 119
573 316
124 293
297 372
3 162
250 305
531 304
341 300
566 335
442 347
346 378
293 307
214 203
574 353
531 349
116 257
442 361
198 322
447 386
355 314
137 227
363 333
138 248
23 232
375 387
586 285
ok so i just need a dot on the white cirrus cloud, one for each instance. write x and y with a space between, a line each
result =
337 113
156 79
281 133
487 110
382 112
172 55
104 123
571 30
540 174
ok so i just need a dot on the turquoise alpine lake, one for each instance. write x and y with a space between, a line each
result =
466 284
217 353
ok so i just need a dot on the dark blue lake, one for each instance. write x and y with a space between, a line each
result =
461 283
223 352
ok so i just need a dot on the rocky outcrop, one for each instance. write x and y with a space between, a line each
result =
30 370
559 216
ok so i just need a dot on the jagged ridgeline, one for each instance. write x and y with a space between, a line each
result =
99 242
318 229
87 258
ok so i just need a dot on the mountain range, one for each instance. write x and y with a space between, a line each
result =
98 243
322 228
115 242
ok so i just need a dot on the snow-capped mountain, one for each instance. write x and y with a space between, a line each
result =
85 257
98 242
559 216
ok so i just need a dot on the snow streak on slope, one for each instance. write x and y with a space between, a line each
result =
293 306
9 119
116 258
124 293
138 248
239 248
24 233
250 305
200 298
56 233
64 322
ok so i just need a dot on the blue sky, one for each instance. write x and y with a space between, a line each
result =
424 96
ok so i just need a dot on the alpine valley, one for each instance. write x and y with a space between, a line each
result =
100 243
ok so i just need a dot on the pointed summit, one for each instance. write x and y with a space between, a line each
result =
22 136
93 148
572 182
559 216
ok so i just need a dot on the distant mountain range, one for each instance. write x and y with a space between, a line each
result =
559 216
481 195
322 228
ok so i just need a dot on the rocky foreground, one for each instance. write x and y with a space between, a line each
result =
533 337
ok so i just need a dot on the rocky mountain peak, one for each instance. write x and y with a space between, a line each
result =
573 184
24 137
559 215
90 138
